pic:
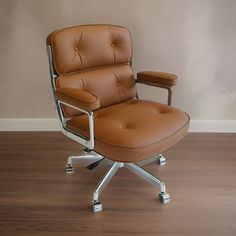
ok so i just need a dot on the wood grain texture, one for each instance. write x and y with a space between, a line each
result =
37 198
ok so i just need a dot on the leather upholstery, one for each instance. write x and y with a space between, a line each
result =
89 46
96 59
157 77
78 98
134 130
110 85
93 68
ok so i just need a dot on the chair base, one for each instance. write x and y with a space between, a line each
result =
96 204
84 156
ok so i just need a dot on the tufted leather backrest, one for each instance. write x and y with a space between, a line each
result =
95 58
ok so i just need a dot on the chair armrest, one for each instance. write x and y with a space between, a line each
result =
156 77
78 98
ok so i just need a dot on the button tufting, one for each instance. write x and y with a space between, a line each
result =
76 49
112 44
127 126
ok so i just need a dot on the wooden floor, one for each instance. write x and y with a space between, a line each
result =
37 198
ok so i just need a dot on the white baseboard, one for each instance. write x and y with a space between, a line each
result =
214 126
29 125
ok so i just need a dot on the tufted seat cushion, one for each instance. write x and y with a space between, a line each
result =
134 130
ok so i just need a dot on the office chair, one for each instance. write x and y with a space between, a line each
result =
98 106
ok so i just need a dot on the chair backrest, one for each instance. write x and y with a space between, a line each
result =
95 58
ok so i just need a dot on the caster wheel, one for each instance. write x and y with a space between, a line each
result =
69 169
161 160
97 206
164 197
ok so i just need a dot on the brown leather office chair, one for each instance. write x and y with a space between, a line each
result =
97 102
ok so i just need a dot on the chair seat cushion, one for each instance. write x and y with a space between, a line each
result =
133 130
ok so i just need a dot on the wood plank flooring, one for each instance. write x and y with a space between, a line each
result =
37 198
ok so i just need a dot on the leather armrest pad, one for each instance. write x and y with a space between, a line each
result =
78 98
156 77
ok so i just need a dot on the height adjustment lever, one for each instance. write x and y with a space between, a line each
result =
94 164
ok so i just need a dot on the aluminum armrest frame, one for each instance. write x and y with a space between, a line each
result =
89 143
159 86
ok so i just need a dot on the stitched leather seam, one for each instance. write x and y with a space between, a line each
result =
95 68
179 133
77 99
122 146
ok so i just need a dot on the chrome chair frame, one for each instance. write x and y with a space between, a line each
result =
89 152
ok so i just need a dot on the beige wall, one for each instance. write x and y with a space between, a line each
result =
195 39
